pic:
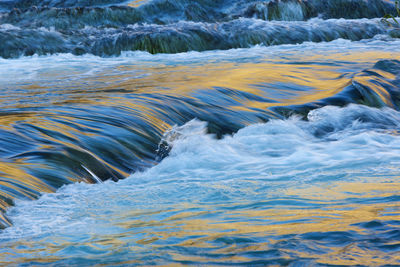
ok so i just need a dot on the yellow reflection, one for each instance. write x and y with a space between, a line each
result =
201 229
137 3
270 79
379 90
335 213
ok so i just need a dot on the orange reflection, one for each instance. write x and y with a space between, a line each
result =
270 79
274 222
137 3
202 228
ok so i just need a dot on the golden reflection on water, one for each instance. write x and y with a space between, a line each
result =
12 173
271 80
379 89
137 3
274 222
333 218
184 80
202 229
110 88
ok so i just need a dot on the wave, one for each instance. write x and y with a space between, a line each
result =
181 37
232 196
78 153
376 87
276 149
164 26
167 11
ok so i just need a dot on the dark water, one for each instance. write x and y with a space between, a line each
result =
240 132
166 26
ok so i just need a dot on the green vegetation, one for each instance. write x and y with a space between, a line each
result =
390 19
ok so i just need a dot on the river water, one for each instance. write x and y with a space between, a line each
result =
172 132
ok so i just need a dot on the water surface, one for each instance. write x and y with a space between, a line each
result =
199 132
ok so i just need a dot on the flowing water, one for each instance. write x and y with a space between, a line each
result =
199 132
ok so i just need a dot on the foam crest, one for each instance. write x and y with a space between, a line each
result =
356 139
332 138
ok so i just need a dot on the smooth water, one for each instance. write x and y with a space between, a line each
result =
243 133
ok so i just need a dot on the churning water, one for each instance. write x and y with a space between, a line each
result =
199 132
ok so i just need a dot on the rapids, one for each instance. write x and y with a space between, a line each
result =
199 132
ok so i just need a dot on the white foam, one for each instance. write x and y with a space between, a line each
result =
8 27
28 68
258 161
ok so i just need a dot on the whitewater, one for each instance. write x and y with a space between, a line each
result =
174 132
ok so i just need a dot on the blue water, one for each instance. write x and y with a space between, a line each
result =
272 193
255 133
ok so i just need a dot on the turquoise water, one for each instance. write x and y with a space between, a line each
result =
242 133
